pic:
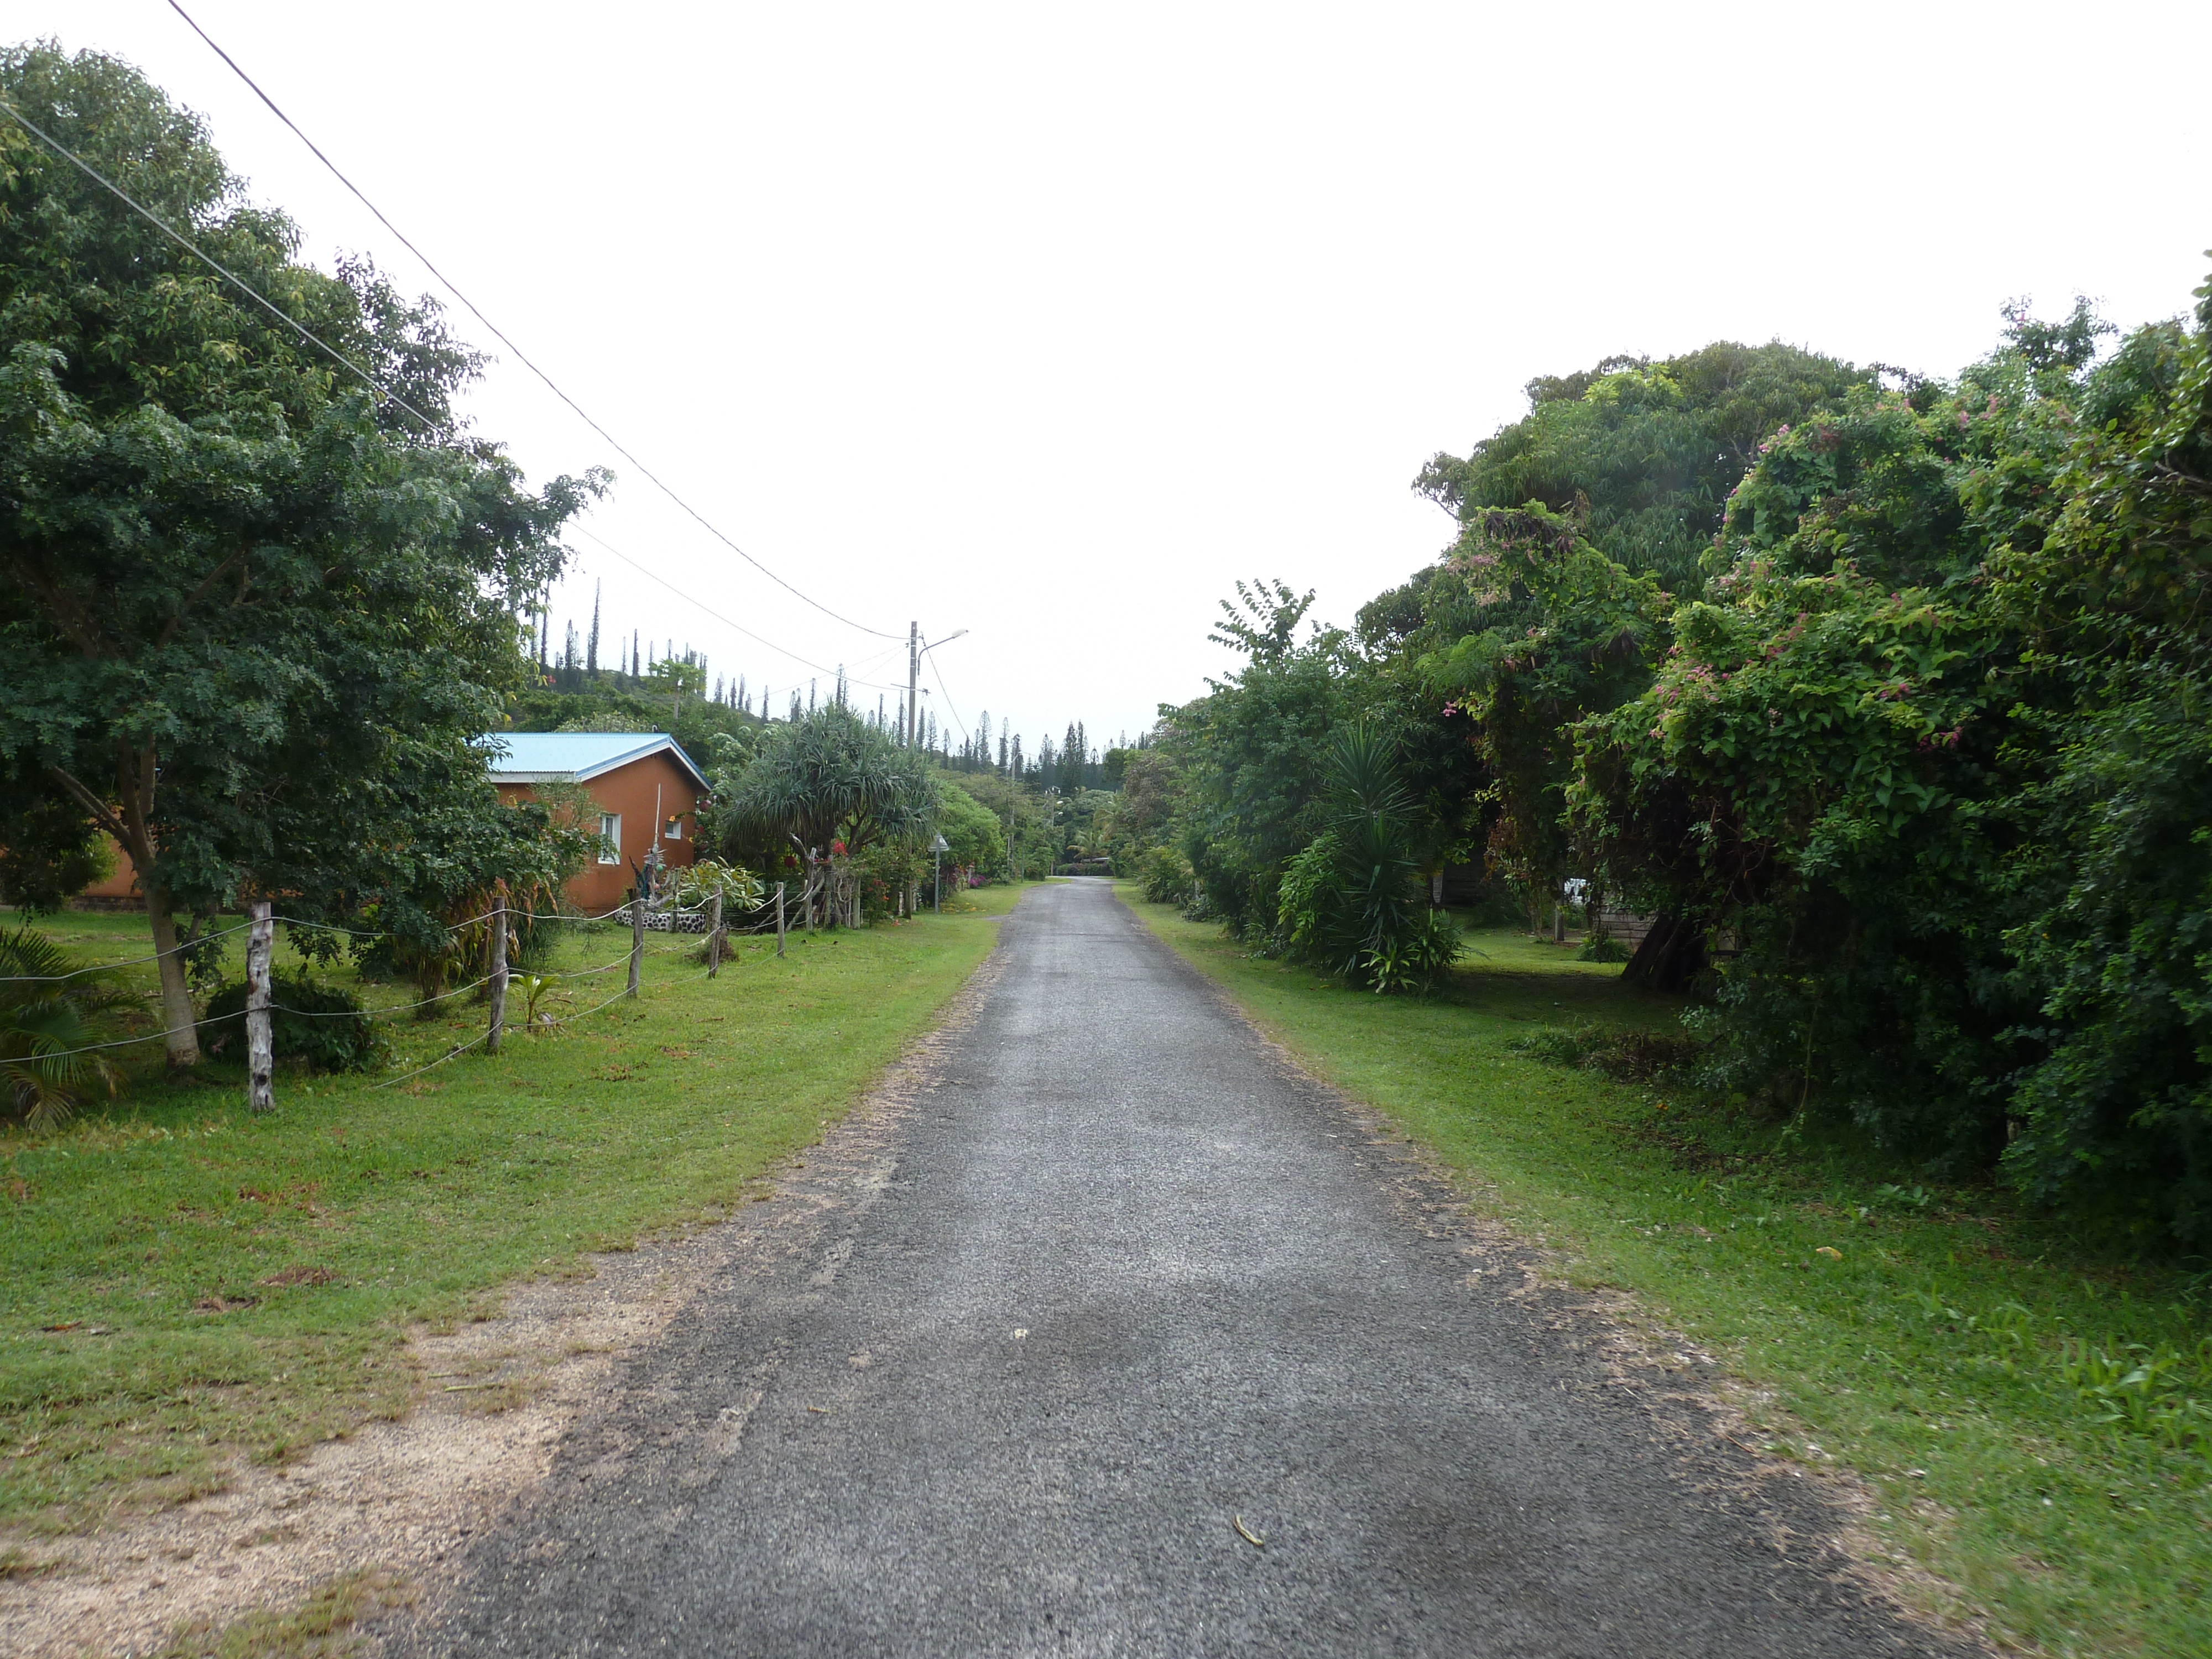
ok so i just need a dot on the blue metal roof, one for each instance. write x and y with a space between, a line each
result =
539 757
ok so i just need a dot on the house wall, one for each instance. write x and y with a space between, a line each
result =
119 891
628 791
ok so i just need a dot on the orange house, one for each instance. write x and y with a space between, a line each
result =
644 783
648 790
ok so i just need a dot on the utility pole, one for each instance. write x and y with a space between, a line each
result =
913 675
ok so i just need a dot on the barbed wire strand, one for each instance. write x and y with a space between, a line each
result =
452 1053
109 967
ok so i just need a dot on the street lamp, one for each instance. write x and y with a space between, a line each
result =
916 651
937 859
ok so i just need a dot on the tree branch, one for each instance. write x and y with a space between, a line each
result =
169 630
101 813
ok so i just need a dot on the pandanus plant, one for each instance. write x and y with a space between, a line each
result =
831 776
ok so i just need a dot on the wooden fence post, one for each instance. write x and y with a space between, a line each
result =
260 1044
715 935
498 973
779 918
636 939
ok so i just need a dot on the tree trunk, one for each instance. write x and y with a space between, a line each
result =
1672 955
129 820
184 1040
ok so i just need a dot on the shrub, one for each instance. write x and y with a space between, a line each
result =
1629 1056
693 884
1166 874
1601 947
886 871
319 1025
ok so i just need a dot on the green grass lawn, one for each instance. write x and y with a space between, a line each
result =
2032 1414
182 1282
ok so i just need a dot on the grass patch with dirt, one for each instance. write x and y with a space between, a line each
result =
182 1283
2031 1409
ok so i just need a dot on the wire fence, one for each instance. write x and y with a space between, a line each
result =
186 947
626 914
133 962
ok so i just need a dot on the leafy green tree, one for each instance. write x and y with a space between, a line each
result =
1253 750
611 701
976 838
1555 631
253 615
48 851
675 679
1650 449
1150 795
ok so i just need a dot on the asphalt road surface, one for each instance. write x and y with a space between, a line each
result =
1115 1282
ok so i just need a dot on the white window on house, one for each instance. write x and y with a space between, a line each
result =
673 831
610 838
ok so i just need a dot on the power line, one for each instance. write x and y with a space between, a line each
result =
429 425
520 355
192 248
758 639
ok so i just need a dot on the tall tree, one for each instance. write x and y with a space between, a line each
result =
253 614
1650 448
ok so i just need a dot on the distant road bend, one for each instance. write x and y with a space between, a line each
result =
1121 1284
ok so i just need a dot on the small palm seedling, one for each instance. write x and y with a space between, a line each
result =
534 988
51 1010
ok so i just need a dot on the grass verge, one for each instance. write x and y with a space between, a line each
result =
2033 1416
182 1282
321 1627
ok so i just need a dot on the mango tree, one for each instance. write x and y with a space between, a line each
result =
254 611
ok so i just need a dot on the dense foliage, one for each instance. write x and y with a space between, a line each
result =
1885 697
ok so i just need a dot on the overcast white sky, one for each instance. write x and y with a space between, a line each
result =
1051 323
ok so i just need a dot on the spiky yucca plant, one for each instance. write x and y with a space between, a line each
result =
1351 901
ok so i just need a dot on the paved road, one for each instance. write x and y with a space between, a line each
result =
1117 1278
